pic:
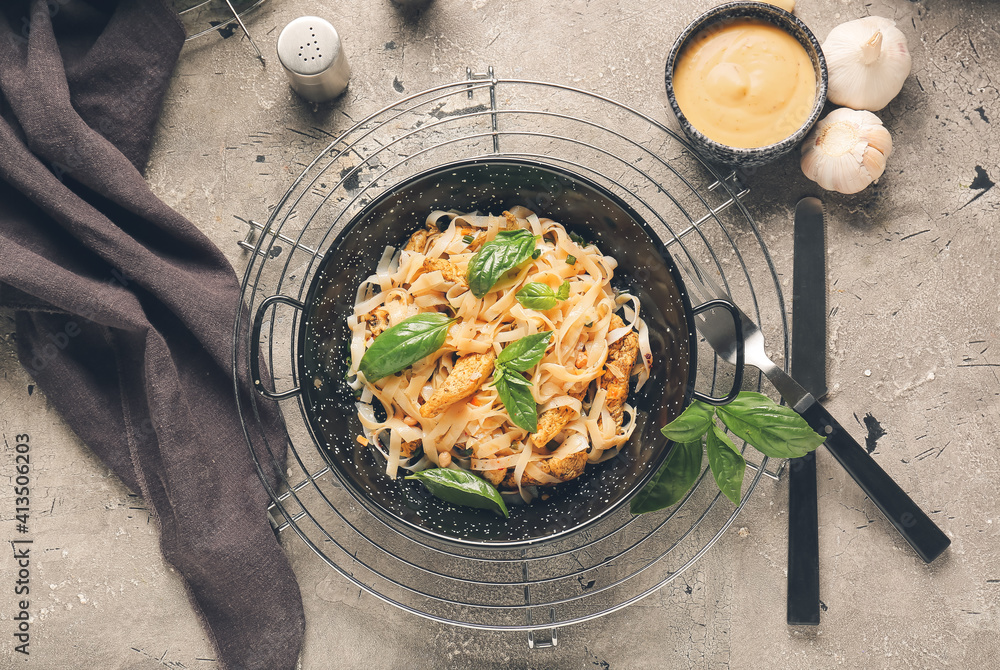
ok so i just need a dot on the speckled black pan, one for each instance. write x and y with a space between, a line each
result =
789 23
645 269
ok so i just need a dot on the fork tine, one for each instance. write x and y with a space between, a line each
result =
700 281
708 288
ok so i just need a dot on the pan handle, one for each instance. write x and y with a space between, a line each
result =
258 322
738 324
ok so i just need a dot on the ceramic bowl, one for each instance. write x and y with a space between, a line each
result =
737 156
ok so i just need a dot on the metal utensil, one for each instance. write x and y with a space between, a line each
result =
312 54
809 366
717 328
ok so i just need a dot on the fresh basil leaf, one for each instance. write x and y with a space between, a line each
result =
461 488
525 353
404 344
509 249
537 295
727 464
672 481
774 430
515 394
692 423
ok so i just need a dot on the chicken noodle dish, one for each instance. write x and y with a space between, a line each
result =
496 345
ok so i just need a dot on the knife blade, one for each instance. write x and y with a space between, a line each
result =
809 368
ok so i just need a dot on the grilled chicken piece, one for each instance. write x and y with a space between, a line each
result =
378 321
378 318
418 240
621 358
494 476
565 469
467 377
510 221
551 421
448 270
407 449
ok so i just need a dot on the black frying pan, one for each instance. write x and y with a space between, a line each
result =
645 269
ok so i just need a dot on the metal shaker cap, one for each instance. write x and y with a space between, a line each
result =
313 57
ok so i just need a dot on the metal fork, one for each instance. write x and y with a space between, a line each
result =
717 328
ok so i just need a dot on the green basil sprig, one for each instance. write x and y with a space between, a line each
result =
514 390
537 295
509 249
461 488
726 462
404 344
774 430
677 474
525 353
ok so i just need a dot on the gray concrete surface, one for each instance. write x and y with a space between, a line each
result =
915 341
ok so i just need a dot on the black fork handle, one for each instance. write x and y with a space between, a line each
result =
738 324
924 536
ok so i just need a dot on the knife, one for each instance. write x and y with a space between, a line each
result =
899 509
747 344
809 368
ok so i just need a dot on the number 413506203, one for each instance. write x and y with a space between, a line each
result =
22 480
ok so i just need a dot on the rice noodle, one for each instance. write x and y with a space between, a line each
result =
476 430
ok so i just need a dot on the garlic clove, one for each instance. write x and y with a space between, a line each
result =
846 151
867 61
873 161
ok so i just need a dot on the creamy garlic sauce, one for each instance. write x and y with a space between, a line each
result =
745 83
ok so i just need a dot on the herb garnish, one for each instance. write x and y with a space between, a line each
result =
537 295
514 390
677 474
508 250
774 430
404 344
461 488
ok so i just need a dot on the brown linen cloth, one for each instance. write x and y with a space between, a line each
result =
125 311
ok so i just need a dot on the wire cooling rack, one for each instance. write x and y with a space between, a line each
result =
605 566
201 17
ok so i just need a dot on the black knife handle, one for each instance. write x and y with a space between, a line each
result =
803 543
916 527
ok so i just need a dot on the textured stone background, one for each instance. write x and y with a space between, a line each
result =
914 340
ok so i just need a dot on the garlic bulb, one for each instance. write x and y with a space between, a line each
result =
867 62
846 151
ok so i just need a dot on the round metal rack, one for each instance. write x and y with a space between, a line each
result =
603 567
201 17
